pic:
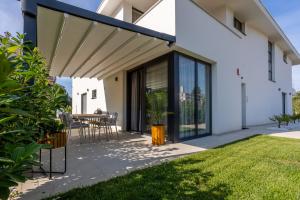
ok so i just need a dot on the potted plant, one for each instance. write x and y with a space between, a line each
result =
55 136
157 105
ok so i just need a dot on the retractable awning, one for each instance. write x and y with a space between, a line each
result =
80 43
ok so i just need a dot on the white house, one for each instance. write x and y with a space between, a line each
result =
220 65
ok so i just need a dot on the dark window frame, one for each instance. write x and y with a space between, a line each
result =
285 58
94 94
271 76
239 25
173 97
209 72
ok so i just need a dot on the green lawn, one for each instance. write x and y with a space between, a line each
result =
261 167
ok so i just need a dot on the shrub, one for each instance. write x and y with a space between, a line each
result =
28 104
279 119
295 117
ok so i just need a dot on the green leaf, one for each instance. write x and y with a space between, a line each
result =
14 111
6 160
13 49
4 120
18 153
16 177
5 67
4 192
31 149
9 84
7 183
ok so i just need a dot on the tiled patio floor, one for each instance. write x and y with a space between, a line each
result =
90 162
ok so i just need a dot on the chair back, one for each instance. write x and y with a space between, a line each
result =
66 119
114 118
98 111
62 118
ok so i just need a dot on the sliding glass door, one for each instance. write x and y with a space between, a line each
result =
187 126
176 86
194 98
148 95
203 98
157 92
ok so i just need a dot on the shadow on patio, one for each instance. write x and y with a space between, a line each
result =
92 162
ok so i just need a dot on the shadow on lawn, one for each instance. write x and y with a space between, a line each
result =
181 179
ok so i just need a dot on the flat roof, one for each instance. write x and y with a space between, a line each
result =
81 43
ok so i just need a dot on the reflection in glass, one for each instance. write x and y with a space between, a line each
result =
202 98
186 97
157 92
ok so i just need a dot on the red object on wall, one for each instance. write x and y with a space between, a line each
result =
238 71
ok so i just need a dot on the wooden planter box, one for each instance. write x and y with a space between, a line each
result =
56 140
158 134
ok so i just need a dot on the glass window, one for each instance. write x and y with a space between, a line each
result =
202 98
157 93
194 98
239 25
270 62
94 94
285 59
187 127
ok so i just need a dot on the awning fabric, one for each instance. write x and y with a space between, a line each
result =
76 46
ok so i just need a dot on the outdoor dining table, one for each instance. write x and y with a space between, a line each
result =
91 118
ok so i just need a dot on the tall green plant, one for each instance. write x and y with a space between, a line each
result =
157 105
28 104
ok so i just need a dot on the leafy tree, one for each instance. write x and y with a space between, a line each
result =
28 105
296 103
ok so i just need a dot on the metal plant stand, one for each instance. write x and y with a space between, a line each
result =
50 172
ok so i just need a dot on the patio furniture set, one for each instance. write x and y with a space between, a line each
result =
89 125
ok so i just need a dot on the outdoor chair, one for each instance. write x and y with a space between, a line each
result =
70 124
100 123
112 122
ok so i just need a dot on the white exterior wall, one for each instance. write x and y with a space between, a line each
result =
161 18
115 95
199 33
210 39
86 85
110 95
123 12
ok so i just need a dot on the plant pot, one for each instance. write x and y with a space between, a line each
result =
158 134
55 140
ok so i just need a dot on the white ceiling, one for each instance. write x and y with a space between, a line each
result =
77 47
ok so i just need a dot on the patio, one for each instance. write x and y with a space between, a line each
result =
90 163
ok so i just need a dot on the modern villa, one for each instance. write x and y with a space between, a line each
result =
217 65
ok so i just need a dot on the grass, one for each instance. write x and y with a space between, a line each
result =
261 167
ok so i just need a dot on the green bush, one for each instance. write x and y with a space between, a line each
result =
295 117
28 105
280 119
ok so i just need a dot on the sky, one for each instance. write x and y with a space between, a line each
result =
285 12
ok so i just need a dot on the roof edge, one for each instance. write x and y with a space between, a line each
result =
280 31
86 14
